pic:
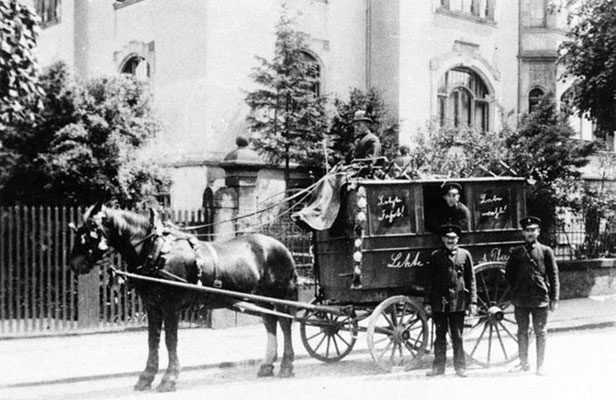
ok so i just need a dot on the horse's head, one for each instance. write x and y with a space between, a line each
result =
91 240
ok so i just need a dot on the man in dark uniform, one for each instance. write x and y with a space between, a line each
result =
450 291
454 212
532 274
367 144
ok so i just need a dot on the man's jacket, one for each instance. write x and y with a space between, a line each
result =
532 274
369 146
450 281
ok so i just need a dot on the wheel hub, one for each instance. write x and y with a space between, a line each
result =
495 313
400 334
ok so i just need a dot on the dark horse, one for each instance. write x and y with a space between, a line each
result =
252 264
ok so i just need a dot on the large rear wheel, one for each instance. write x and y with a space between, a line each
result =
397 333
490 337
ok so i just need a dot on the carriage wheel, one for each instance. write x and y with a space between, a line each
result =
328 337
490 337
397 333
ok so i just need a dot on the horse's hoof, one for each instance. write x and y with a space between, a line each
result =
286 371
166 386
143 384
265 370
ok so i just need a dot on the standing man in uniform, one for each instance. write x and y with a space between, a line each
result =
532 274
367 144
454 212
450 291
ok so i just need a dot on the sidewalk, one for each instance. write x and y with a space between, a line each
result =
80 358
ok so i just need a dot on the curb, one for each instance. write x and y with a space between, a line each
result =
255 361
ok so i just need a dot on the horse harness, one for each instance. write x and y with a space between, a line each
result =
160 246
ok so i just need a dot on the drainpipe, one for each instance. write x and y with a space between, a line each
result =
369 45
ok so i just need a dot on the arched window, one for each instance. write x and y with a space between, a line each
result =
463 100
315 71
534 98
137 66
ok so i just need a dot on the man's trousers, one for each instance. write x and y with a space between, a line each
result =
540 319
454 322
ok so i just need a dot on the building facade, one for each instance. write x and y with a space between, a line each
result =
460 62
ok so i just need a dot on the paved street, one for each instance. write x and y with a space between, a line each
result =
580 365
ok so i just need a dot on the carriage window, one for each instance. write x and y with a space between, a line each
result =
391 210
494 208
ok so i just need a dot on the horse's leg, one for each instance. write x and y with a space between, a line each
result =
155 321
288 356
267 366
170 378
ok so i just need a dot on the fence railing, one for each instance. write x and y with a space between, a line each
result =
40 294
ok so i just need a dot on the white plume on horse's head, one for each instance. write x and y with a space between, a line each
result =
97 212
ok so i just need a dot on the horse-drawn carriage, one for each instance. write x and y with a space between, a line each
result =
370 264
370 260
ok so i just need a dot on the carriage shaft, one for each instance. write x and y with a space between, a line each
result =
234 294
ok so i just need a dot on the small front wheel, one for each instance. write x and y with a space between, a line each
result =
326 336
397 333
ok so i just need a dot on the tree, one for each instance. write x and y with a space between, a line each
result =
543 149
19 87
458 152
287 116
83 144
341 132
589 56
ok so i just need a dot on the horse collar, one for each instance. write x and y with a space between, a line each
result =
215 263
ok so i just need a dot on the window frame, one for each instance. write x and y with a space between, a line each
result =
44 5
446 106
470 9
129 59
533 101
310 57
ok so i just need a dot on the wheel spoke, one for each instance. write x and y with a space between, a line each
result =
500 340
393 354
315 335
508 332
485 287
336 345
385 350
328 344
320 343
410 349
341 338
496 285
409 325
509 320
503 296
402 314
479 338
383 331
490 343
394 319
386 317
483 303
382 340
